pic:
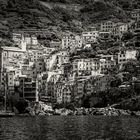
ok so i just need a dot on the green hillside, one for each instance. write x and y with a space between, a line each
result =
17 14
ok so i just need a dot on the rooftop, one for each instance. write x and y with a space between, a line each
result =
15 49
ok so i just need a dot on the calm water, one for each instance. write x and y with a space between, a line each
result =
69 128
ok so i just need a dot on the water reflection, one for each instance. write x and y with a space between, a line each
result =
69 128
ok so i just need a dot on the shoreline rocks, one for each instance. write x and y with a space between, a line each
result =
44 110
108 111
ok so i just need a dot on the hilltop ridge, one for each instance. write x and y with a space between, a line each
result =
61 15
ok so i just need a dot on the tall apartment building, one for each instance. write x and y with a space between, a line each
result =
106 62
124 56
101 83
66 94
86 65
10 55
107 26
71 42
90 36
135 15
17 38
67 41
120 28
80 88
28 89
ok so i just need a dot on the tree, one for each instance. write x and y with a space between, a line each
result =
85 101
132 67
21 106
116 81
127 36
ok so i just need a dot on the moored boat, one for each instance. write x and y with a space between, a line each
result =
6 114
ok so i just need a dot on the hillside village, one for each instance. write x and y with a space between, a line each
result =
96 67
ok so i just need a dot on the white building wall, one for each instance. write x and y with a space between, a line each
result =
131 54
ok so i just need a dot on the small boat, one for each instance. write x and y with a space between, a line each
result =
6 114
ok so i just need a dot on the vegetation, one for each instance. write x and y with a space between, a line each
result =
17 14
108 97
26 14
21 106
33 14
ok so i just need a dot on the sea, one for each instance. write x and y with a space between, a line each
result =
70 128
